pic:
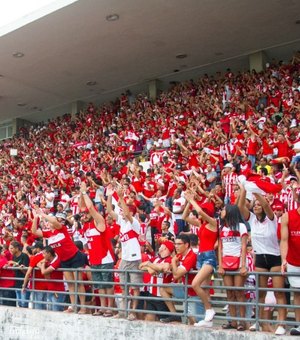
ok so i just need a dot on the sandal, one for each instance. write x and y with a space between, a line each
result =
241 328
228 326
108 315
98 313
69 310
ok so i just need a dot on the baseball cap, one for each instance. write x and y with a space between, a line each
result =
61 215
278 206
37 244
228 165
208 208
170 245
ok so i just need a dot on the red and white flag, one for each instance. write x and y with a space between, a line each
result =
254 183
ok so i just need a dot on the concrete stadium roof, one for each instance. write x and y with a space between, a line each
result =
75 45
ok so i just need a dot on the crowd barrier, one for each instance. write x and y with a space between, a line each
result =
218 299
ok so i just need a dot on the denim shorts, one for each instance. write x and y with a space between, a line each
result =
207 257
195 307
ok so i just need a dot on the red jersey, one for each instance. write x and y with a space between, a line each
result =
161 277
113 230
8 274
60 240
36 274
189 263
293 254
55 275
100 248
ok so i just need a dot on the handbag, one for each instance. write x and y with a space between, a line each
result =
231 262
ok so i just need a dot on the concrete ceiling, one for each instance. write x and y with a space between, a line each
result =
68 48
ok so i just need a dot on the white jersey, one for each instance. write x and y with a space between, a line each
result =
232 240
129 233
264 235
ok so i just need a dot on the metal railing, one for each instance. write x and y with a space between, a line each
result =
218 300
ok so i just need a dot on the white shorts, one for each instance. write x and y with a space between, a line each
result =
293 280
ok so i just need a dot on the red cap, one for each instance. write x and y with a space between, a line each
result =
169 245
278 206
208 208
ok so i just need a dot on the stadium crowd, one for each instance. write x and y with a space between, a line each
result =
204 178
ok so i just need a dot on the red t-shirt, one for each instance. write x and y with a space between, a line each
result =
36 274
189 262
60 240
7 273
55 275
100 248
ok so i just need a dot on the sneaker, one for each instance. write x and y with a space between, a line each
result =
295 331
225 308
280 330
203 323
253 328
209 315
171 319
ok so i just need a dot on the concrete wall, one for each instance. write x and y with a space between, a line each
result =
24 324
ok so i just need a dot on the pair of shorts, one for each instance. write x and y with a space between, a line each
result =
293 280
195 307
130 277
157 306
77 261
103 278
207 257
267 261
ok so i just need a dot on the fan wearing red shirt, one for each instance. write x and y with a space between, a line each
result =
101 255
60 240
184 261
252 146
33 275
8 282
55 284
283 146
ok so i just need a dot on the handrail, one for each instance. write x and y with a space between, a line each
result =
184 314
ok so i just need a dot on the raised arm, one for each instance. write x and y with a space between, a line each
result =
265 205
212 222
186 213
98 218
124 207
241 203
34 228
109 207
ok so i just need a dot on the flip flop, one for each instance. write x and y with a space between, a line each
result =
228 326
98 313
108 315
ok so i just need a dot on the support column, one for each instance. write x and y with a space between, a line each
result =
257 61
153 88
76 107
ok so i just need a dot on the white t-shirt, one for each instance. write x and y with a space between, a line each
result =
232 240
49 199
178 205
264 235
131 250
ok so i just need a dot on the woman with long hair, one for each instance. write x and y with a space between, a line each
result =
207 261
263 224
59 238
232 248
